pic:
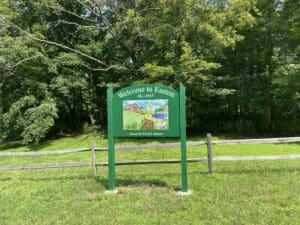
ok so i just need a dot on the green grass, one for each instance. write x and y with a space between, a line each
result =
133 120
245 192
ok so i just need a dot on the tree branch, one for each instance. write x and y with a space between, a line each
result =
56 44
95 8
101 69
69 12
71 23
26 59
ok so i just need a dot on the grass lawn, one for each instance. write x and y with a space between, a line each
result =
241 192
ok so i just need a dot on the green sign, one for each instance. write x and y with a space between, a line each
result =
146 110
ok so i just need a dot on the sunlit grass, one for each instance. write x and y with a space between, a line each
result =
245 192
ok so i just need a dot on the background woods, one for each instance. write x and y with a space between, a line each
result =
239 60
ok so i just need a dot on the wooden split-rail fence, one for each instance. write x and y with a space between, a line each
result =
209 143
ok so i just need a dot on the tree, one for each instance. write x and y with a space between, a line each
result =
260 68
60 55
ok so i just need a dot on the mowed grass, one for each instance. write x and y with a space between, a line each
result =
240 192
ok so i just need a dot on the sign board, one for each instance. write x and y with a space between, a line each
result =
146 110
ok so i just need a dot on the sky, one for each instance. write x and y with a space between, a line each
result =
156 103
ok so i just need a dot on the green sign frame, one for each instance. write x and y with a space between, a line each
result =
146 110
145 95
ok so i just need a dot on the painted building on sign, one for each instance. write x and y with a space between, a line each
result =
131 107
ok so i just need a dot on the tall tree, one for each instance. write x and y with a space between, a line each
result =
58 56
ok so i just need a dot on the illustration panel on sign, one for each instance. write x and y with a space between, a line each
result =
146 114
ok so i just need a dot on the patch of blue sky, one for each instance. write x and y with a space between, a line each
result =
156 103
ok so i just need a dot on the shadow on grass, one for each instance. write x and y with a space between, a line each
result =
17 144
133 182
40 147
10 145
5 178
103 182
167 174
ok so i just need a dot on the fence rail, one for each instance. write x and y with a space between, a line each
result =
159 146
258 141
210 159
55 152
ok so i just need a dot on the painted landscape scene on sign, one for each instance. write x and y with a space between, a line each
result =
146 114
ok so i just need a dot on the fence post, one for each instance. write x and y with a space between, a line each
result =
94 168
209 154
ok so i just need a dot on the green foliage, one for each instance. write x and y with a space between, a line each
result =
262 71
291 26
28 119
232 56
38 121
13 120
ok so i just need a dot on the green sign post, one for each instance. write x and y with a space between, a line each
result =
146 110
